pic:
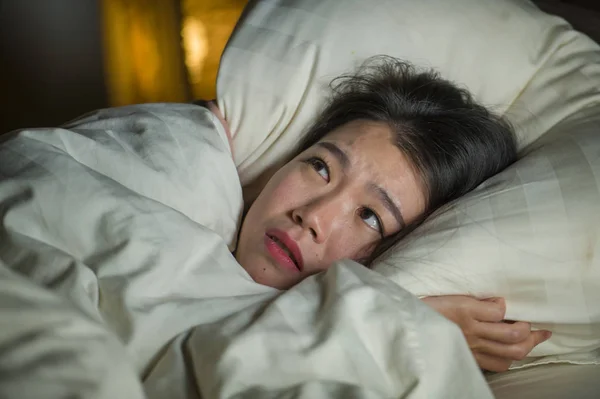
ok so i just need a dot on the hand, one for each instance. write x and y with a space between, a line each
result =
212 106
495 343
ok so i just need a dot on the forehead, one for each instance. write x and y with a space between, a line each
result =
358 134
375 159
369 147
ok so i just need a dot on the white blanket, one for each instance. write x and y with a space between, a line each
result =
117 281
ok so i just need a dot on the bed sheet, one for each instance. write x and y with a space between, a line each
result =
115 237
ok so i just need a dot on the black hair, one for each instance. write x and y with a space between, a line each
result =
453 142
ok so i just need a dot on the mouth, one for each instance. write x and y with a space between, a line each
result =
284 250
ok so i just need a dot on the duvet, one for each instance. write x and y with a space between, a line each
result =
117 281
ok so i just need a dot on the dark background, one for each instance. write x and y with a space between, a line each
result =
51 61
51 58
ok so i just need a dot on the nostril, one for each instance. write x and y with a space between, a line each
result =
298 219
313 232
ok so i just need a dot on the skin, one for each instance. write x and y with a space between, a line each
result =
494 342
328 206
323 216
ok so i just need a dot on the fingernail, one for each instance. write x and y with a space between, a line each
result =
547 335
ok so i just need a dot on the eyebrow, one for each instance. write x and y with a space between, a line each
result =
337 152
383 195
388 203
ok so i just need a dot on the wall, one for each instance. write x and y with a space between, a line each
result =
51 67
144 57
207 25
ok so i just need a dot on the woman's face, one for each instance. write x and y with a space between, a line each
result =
334 201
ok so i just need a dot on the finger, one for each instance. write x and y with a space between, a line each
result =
492 363
510 351
503 332
491 309
540 336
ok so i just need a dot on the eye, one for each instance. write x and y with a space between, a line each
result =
371 219
320 167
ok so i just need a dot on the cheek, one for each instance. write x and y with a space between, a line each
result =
285 189
280 194
351 244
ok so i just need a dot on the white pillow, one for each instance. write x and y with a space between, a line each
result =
275 71
530 234
520 61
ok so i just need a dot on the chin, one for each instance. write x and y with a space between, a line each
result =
263 272
264 277
273 282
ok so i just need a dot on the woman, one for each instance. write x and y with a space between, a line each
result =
391 147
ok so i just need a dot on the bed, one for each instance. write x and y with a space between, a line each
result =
115 283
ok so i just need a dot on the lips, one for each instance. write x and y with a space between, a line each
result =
284 250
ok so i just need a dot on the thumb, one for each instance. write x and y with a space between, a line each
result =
540 336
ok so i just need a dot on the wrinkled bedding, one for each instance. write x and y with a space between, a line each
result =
117 281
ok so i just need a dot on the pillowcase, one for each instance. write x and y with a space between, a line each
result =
275 71
530 234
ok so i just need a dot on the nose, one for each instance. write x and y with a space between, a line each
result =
319 216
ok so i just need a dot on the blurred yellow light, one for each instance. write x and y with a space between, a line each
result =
151 55
207 25
146 60
143 55
195 42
